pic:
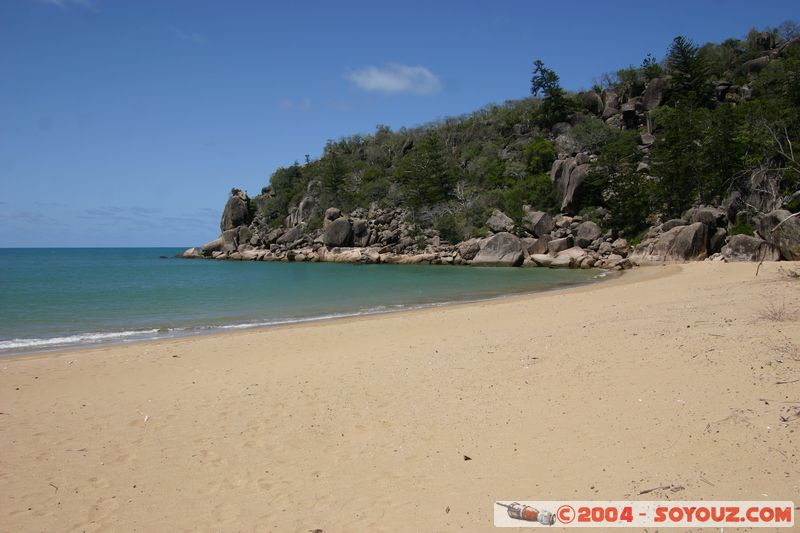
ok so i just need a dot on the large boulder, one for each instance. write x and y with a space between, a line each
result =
593 103
468 249
716 239
339 233
571 256
360 233
536 246
292 235
567 176
302 212
782 230
680 244
629 116
620 247
610 106
213 246
230 240
654 93
586 233
501 249
747 248
762 181
756 65
710 216
499 221
673 223
557 245
331 214
192 253
542 260
236 212
538 223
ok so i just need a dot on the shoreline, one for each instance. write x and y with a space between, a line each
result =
663 377
201 331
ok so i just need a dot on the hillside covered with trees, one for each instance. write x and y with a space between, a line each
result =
711 125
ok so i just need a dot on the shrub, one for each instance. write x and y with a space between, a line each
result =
449 230
741 228
539 155
592 134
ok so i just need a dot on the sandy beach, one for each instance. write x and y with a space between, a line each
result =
673 376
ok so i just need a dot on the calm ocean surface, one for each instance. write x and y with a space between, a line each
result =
55 298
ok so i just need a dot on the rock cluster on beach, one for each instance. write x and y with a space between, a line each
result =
387 236
702 233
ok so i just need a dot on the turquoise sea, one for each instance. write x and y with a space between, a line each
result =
63 297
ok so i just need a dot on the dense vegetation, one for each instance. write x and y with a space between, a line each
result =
731 112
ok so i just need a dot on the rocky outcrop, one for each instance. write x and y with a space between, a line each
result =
211 247
610 104
593 103
502 249
673 223
747 248
557 245
192 253
538 223
292 235
576 237
236 212
331 214
386 236
338 233
586 233
679 244
469 249
361 233
500 222
305 208
654 93
782 230
567 176
712 217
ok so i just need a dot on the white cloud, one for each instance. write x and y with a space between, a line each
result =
63 4
195 38
295 105
396 78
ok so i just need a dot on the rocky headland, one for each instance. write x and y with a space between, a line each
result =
572 193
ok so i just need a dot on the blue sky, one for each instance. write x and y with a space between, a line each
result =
126 123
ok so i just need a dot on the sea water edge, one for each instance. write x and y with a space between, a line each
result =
91 276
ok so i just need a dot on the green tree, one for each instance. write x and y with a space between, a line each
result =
650 68
334 173
689 72
721 153
539 155
614 181
592 134
677 156
535 190
425 174
555 104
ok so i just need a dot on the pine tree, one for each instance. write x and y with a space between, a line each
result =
333 177
689 74
555 104
425 174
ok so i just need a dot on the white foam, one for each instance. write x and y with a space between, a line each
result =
82 338
20 345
